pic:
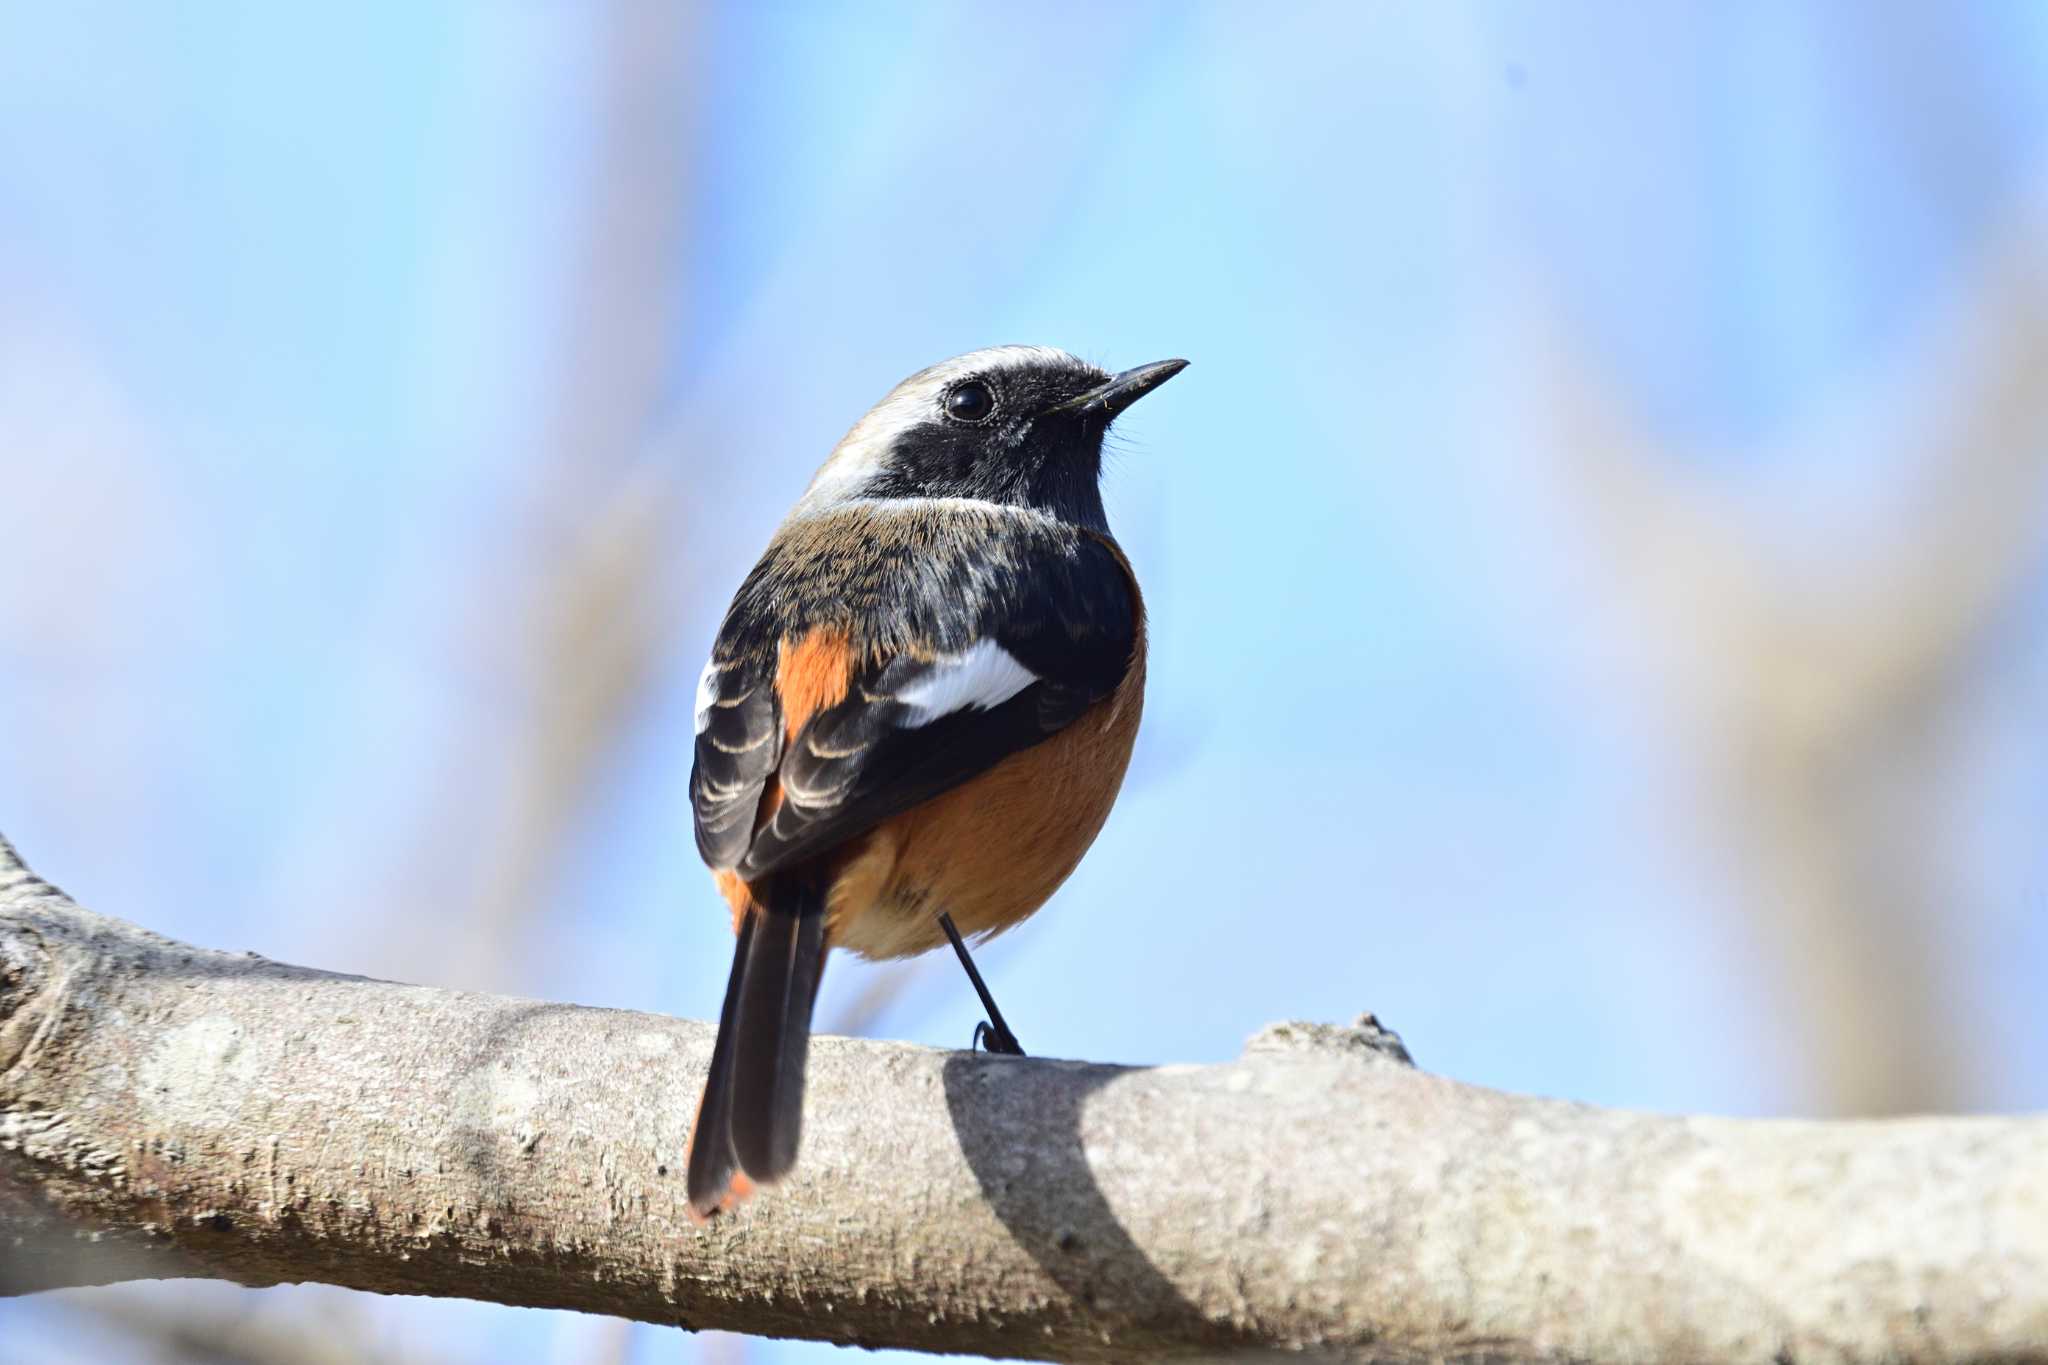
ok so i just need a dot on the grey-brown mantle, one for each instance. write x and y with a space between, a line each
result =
168 1110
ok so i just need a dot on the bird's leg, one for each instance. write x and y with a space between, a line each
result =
993 1033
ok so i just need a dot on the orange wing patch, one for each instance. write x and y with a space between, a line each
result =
813 673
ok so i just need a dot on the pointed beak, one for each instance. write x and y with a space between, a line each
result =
1125 389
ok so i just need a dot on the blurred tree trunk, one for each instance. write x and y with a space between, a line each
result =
1828 715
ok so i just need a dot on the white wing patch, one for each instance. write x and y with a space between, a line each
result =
707 695
982 676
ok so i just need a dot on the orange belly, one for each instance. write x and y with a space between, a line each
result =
992 850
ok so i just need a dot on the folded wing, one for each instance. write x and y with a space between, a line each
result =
1039 652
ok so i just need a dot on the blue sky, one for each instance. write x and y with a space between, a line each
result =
294 298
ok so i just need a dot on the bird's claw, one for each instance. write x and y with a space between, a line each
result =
997 1040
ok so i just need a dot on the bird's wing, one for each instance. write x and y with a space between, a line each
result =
739 742
1055 637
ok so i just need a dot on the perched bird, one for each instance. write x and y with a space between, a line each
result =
917 713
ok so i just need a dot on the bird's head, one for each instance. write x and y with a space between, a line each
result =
1018 425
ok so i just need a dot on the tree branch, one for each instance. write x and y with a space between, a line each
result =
172 1111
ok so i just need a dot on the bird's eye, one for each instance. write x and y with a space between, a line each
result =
970 402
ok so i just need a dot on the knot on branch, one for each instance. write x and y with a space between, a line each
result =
17 883
24 953
1364 1036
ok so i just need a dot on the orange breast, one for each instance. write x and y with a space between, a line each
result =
993 849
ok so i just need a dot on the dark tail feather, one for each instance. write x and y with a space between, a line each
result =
751 1117
783 966
711 1163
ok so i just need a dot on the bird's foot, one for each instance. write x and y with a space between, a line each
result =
992 1031
995 1039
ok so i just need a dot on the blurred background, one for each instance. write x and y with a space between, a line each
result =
1617 442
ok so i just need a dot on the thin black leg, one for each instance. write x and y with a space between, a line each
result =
994 1032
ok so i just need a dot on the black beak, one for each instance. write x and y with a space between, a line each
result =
1109 399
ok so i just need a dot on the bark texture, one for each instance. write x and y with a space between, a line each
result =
171 1111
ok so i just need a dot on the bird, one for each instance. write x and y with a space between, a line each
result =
916 715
